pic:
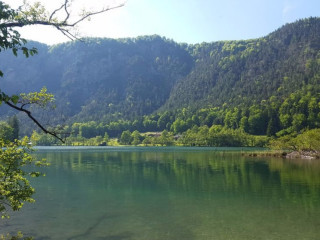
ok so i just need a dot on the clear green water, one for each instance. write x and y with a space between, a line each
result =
170 193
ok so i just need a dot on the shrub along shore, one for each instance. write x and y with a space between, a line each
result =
305 145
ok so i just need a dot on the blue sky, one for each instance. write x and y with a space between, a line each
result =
190 21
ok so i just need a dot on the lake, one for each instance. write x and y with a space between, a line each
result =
137 193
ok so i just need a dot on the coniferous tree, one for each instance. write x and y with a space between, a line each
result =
14 124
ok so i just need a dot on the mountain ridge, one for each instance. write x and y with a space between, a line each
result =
108 79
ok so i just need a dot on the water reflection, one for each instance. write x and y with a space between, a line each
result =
208 173
172 193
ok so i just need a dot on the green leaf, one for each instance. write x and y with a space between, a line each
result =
1 74
14 50
15 99
25 51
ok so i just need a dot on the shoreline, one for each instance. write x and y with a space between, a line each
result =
307 155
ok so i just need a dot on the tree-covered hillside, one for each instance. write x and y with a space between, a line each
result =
100 78
263 86
247 72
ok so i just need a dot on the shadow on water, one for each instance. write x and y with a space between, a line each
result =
87 233
122 236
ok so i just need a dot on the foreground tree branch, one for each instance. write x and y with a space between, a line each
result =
42 99
29 114
36 14
14 185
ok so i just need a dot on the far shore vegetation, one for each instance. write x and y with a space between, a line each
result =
304 145
191 130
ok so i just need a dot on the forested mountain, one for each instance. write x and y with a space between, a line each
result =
246 72
101 77
262 85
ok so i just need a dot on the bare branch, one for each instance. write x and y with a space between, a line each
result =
23 24
67 12
92 14
66 33
63 25
57 10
